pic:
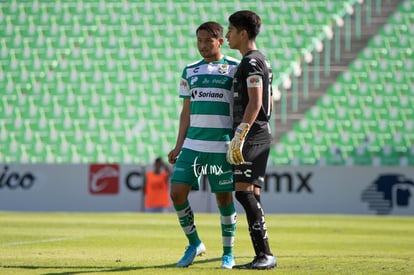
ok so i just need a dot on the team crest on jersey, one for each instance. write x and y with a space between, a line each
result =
193 80
223 69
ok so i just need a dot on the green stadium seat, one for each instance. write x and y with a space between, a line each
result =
410 156
280 155
334 156
361 155
306 156
388 156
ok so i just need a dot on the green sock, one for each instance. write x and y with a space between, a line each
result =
228 227
186 217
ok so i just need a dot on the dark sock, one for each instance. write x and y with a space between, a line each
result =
256 222
257 196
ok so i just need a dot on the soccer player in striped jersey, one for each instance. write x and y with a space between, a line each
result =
249 149
205 131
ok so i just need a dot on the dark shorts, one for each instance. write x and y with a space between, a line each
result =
254 170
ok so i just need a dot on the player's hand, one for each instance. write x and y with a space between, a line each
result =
234 152
172 156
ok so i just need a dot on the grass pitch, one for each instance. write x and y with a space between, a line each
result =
137 243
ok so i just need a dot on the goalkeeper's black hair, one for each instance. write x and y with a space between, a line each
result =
246 20
213 28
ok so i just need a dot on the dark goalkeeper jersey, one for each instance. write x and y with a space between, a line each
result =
253 71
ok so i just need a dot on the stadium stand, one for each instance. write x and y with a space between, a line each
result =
96 81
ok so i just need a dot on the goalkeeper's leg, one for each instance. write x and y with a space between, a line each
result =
250 177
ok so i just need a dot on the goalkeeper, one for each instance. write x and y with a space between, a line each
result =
250 146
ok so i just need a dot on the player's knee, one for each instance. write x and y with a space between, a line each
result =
224 199
244 197
178 196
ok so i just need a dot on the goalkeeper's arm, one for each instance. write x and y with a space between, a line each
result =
234 152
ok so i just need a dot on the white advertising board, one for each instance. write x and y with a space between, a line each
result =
334 190
71 187
300 189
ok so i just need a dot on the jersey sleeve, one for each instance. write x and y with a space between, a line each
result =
184 90
254 73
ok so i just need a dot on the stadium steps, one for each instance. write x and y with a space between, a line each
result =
336 67
366 116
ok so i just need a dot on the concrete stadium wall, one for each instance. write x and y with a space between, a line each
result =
118 187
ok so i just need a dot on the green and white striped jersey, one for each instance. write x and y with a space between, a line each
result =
209 87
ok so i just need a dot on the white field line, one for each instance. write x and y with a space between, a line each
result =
41 241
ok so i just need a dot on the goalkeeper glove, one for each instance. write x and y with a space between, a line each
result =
234 152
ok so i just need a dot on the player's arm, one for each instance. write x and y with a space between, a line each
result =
254 105
184 123
255 91
182 130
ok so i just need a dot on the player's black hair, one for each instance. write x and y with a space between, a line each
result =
158 159
213 28
246 20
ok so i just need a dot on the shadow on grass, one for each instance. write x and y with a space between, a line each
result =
105 269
